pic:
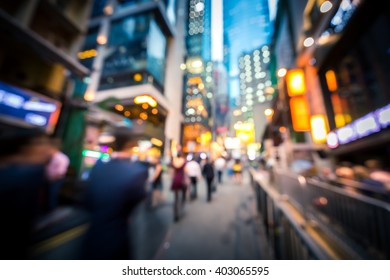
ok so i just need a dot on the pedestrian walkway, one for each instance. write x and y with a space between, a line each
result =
226 228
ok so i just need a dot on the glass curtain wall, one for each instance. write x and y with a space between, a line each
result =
136 45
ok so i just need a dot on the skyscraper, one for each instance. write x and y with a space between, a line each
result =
133 48
246 27
198 82
255 80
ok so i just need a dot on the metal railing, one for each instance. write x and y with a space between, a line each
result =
287 236
361 221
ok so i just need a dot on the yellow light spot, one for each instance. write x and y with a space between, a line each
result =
143 116
137 77
145 99
89 96
87 54
119 107
331 80
156 142
319 129
268 112
102 40
295 82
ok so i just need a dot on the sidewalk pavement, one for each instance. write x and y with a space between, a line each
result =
226 228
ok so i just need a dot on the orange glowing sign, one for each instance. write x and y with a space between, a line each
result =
331 80
194 81
300 113
295 82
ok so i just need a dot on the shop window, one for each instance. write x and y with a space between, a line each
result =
358 81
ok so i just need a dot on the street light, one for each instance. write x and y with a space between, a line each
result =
268 112
282 72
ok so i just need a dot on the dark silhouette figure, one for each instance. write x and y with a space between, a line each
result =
208 173
23 158
114 189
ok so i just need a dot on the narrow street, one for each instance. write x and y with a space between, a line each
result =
226 228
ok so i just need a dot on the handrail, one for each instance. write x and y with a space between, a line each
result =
357 196
282 204
361 219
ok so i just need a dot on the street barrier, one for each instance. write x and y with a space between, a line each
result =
287 236
358 221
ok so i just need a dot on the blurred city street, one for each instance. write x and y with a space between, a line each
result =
111 110
226 228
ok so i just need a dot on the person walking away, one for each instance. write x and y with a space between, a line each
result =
220 165
179 184
156 181
237 170
194 172
114 189
208 173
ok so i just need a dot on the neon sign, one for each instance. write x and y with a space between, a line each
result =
29 107
367 125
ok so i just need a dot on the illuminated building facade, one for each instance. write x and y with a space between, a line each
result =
137 58
246 27
255 80
221 100
198 80
345 104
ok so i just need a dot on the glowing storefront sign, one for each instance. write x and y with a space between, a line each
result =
12 100
346 134
36 119
295 79
318 128
367 125
29 107
383 116
300 114
95 154
332 140
39 106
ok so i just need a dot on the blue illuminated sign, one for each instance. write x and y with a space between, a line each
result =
28 107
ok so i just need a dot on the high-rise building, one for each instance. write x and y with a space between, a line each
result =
221 99
246 27
198 81
135 59
255 80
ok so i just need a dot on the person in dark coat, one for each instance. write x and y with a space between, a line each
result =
24 155
115 187
208 173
